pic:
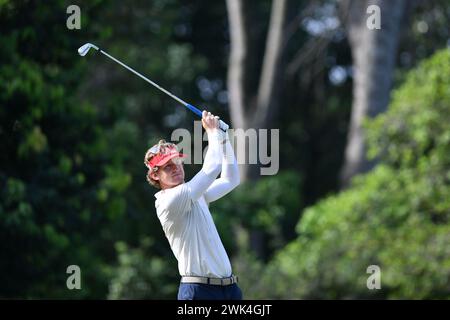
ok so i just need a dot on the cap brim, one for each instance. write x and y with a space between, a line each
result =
168 158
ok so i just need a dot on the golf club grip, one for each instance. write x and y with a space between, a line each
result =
222 125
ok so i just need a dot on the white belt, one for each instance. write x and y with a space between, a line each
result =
214 281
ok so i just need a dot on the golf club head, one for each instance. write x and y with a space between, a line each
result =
83 50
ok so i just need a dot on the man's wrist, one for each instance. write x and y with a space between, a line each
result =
213 131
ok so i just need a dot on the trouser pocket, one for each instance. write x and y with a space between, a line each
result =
186 291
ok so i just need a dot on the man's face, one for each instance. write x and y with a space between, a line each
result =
171 174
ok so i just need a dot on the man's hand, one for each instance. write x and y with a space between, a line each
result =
209 121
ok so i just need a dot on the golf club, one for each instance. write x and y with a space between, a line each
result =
84 49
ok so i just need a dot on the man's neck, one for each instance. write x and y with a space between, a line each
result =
164 187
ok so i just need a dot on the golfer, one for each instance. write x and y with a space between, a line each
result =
182 208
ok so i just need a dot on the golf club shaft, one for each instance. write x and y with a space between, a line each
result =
222 125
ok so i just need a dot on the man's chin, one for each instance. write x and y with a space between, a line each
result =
178 182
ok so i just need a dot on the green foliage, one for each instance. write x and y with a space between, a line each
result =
54 157
416 126
396 217
141 275
265 206
249 268
72 182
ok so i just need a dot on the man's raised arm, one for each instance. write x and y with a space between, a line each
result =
213 158
229 178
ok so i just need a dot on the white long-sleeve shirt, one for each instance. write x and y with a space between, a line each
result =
185 217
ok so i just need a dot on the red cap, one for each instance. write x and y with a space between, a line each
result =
162 158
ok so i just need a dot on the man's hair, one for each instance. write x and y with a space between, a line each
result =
162 144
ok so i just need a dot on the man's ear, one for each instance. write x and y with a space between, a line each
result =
154 175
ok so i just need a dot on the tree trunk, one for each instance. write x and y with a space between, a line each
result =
374 54
247 109
238 61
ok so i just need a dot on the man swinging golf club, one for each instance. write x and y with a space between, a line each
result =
182 208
